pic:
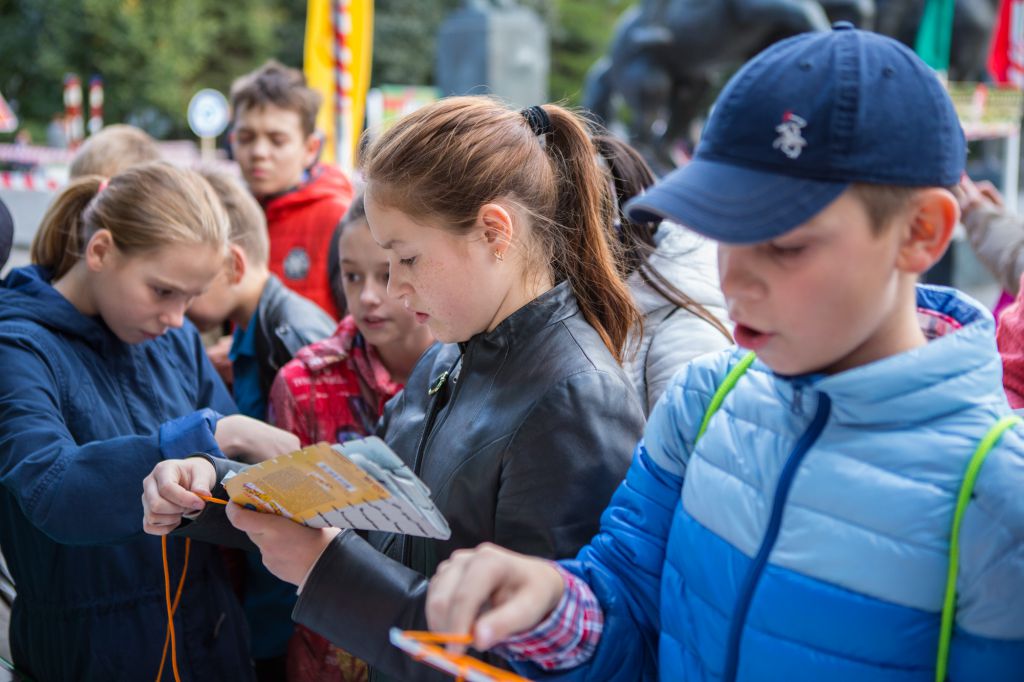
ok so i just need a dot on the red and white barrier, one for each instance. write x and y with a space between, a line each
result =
33 154
18 181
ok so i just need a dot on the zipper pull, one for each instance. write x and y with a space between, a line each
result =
798 399
438 383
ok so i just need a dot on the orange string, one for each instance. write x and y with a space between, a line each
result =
438 637
172 607
465 664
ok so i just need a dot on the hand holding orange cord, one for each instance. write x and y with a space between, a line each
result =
491 593
174 488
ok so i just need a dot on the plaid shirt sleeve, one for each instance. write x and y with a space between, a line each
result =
568 637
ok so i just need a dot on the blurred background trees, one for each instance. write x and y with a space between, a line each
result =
153 56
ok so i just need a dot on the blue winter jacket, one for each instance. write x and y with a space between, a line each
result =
805 537
84 418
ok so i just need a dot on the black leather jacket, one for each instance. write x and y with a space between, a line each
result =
522 446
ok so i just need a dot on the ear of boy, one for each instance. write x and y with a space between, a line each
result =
932 215
313 145
238 263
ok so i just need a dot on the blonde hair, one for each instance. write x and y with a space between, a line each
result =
112 150
448 159
143 208
248 223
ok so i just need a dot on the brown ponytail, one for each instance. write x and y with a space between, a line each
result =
448 159
145 207
584 254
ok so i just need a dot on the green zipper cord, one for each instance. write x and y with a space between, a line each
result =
723 390
962 500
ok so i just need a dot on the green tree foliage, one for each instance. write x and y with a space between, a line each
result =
404 38
580 32
154 54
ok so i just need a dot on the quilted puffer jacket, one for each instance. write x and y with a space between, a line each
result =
673 336
805 537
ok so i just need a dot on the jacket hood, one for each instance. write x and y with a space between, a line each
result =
26 295
325 181
689 262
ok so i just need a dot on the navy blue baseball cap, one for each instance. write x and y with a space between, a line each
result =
802 121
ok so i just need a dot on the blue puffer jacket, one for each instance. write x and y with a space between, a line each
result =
811 538
83 419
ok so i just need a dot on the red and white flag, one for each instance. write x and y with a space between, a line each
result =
1006 58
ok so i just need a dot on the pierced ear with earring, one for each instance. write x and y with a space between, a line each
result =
499 255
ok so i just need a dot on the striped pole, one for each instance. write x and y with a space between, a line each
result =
341 19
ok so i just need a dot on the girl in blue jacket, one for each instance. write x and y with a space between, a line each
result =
102 378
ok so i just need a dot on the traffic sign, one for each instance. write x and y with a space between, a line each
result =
208 113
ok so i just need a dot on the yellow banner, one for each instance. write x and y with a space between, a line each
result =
337 64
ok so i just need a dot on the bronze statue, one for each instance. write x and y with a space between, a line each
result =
667 56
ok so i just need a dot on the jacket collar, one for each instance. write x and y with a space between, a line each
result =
958 370
552 306
270 297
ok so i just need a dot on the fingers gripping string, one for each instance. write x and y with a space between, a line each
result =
172 606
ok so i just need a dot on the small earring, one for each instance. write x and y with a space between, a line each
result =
499 255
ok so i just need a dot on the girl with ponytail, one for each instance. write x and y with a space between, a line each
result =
522 419
103 378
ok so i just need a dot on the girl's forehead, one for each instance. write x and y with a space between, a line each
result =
183 259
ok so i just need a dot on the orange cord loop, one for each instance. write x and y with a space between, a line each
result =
172 606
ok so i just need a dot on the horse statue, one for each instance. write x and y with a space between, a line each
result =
667 56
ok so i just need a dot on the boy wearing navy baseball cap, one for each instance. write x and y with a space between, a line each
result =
845 505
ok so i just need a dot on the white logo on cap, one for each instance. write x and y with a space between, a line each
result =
790 140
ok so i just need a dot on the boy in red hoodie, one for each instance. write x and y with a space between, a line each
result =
275 142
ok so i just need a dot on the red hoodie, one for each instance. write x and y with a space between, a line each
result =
301 223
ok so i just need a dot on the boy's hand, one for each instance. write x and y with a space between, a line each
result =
250 440
289 550
171 490
491 593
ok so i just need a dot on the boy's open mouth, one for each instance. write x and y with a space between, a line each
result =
748 337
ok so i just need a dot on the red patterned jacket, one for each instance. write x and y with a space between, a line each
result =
332 390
